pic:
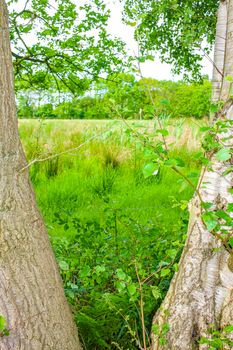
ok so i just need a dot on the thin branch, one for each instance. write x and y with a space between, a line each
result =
27 58
33 58
201 178
25 6
188 181
160 268
212 62
141 308
151 98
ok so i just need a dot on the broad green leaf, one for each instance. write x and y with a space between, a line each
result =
205 128
156 292
230 207
131 24
228 170
217 343
171 253
63 265
228 329
150 169
100 269
120 274
210 221
2 323
223 215
191 175
150 57
148 153
141 59
85 271
207 205
214 108
223 154
163 132
165 272
175 162
132 289
120 286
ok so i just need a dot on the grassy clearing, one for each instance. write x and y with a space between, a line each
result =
183 131
107 222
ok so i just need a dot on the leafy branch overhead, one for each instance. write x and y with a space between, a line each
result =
182 31
62 44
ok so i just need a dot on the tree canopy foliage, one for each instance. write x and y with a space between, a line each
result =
67 46
182 31
62 44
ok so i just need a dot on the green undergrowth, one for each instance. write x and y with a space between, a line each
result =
112 229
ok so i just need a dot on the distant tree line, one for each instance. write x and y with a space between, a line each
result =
124 97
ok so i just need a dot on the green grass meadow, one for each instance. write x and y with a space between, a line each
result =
111 228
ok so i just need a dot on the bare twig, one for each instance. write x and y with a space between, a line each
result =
141 308
212 62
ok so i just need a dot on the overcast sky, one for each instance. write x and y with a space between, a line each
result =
154 69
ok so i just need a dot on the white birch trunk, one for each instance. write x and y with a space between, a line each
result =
219 51
201 292
226 91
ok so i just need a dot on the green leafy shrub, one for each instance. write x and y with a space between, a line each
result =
128 98
99 266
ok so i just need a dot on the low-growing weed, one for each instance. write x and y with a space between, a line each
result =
106 268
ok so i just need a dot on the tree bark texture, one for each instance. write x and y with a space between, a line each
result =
31 295
226 90
201 292
219 51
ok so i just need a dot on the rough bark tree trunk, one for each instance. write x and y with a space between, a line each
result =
201 292
219 51
31 294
